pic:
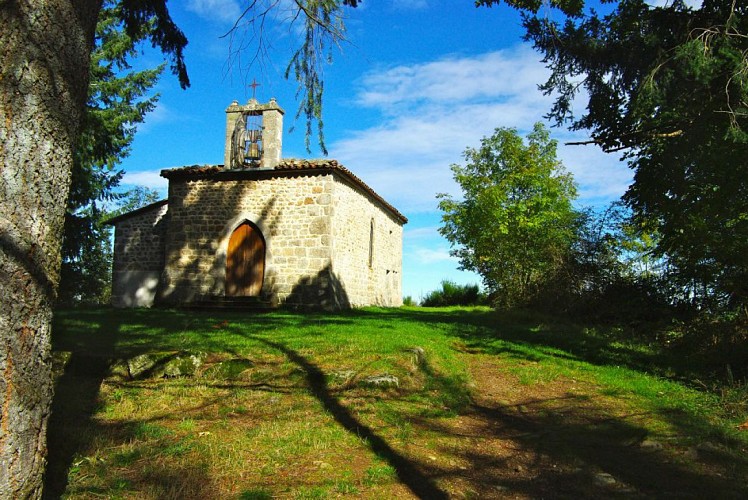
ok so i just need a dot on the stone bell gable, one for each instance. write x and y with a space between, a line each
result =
253 125
303 233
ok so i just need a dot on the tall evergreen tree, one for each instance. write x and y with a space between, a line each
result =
44 74
116 104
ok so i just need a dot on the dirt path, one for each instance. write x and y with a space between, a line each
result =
564 439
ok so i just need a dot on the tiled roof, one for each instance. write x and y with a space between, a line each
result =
192 171
115 220
285 167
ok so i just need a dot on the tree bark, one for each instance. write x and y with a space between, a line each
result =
44 56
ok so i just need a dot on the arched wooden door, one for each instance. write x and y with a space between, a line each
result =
245 261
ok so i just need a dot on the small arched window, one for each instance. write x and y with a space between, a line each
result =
371 243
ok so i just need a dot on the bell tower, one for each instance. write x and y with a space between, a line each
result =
254 134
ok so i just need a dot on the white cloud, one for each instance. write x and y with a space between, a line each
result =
432 111
504 73
216 10
420 233
160 114
410 4
147 178
431 256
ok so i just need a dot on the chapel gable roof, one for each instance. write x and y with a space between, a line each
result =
287 167
138 211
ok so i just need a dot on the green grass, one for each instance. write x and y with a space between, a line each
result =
379 473
279 410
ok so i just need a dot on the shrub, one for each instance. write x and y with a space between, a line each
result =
452 294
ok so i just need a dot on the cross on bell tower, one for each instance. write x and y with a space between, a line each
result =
254 86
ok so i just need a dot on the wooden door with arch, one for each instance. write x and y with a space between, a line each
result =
245 261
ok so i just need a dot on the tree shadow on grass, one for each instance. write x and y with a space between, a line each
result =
552 444
419 483
573 447
579 434
592 456
578 439
531 336
72 429
74 436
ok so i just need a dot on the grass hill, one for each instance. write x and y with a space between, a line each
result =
382 403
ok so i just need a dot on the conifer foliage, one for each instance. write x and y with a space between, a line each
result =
117 102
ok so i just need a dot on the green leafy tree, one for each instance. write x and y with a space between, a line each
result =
85 277
116 104
669 86
611 246
515 224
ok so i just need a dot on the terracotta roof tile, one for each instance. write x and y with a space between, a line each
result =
289 165
191 169
119 218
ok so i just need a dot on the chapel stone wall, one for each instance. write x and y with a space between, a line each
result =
368 263
294 215
138 257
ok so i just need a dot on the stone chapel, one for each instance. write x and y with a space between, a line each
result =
301 233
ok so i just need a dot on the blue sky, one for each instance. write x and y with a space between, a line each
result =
417 82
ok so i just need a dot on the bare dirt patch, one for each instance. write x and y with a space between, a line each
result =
563 438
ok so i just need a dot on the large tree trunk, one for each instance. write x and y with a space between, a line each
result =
44 56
